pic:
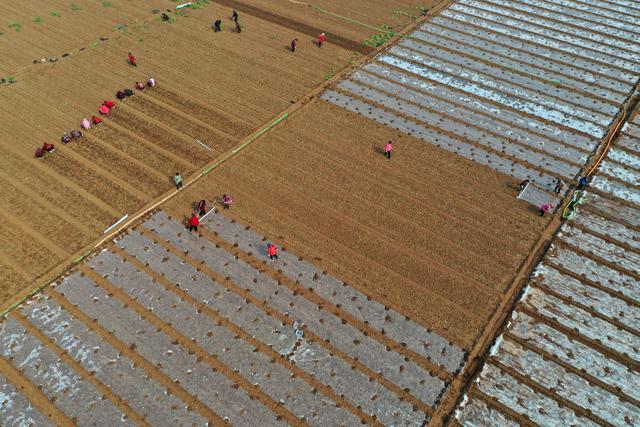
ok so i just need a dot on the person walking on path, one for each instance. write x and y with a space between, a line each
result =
132 60
546 208
387 150
234 16
177 179
272 250
217 26
523 185
202 208
559 186
582 182
227 201
294 43
238 27
194 222
321 39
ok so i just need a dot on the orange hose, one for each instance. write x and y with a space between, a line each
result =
608 144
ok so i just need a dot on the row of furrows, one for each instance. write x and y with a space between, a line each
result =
570 352
469 11
166 312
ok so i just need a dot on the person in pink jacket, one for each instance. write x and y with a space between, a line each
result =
387 150
546 208
85 124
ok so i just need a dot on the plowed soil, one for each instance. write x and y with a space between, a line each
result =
218 88
320 185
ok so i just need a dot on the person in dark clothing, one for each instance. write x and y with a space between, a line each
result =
234 16
238 27
217 26
128 92
558 187
75 134
524 184
164 16
65 138
202 207
120 95
582 182
39 153
294 43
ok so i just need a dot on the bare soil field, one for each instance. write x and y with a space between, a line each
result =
217 88
443 258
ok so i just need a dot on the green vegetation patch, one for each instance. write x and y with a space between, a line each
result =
330 74
75 7
17 26
38 20
107 4
55 14
380 39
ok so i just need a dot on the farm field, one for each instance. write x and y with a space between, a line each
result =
394 275
574 334
209 88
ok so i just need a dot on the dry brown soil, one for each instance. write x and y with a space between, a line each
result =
436 236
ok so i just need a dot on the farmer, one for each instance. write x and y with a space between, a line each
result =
272 250
132 60
103 110
387 150
65 138
546 208
238 27
202 207
109 104
121 95
177 179
85 124
321 39
164 17
128 92
227 201
151 82
582 182
140 86
75 134
194 222
523 185
234 16
559 185
96 120
49 148
217 26
39 153
294 43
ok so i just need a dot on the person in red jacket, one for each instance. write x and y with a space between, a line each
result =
194 222
109 104
321 39
96 120
49 148
132 60
272 250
